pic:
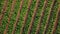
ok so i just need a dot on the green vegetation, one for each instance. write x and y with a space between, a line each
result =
23 12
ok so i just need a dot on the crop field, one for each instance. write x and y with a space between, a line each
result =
29 16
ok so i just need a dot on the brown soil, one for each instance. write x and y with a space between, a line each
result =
41 17
33 17
9 17
48 19
56 21
26 16
17 17
3 11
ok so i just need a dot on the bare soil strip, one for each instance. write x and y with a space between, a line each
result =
10 14
56 21
48 19
26 16
33 17
3 11
17 17
41 17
